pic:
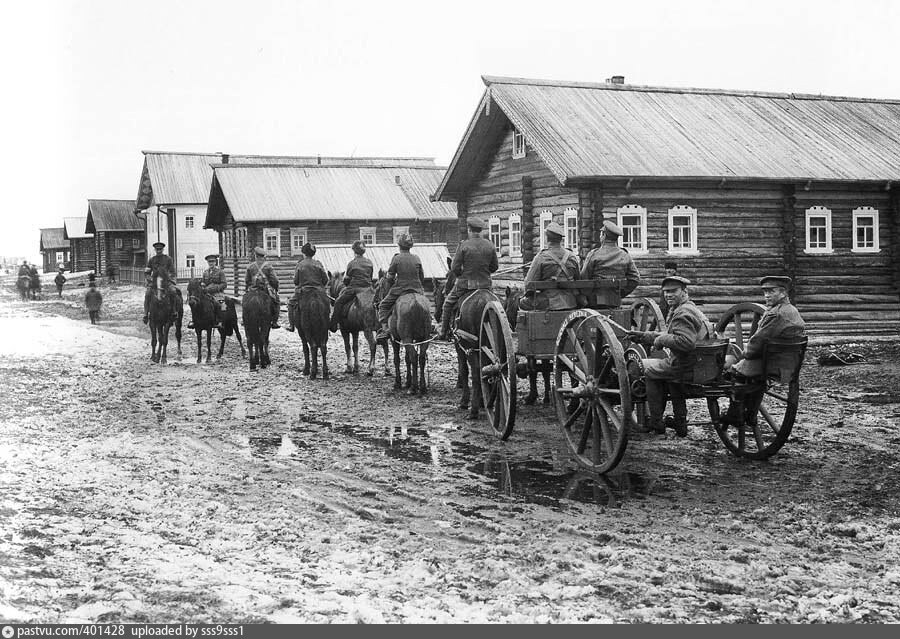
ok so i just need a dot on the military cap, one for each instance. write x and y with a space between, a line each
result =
675 278
308 249
258 250
775 280
359 247
405 241
671 265
159 245
475 223
212 256
556 229
611 228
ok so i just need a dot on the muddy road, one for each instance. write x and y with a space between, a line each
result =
136 492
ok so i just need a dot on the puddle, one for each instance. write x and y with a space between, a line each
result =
276 446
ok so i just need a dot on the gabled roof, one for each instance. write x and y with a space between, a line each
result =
112 215
185 178
335 257
73 228
256 193
52 239
584 130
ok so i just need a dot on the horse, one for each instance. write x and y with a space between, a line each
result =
313 314
256 313
468 327
203 315
161 311
23 284
410 325
34 285
531 366
360 316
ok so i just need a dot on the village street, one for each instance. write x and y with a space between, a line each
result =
134 492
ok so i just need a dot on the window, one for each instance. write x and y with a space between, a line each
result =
367 234
515 234
135 243
190 261
632 219
865 230
398 231
272 242
818 230
227 237
546 218
494 232
118 242
241 246
683 230
298 239
188 221
570 218
60 257
518 146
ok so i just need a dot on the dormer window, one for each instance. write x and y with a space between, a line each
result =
518 150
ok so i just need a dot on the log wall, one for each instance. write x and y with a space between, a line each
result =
106 252
82 253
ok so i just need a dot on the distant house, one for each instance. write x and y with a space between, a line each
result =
282 207
81 243
731 185
54 250
119 236
173 193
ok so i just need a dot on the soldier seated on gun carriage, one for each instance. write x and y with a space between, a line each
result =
554 263
612 264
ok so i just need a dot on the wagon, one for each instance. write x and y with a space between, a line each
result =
598 388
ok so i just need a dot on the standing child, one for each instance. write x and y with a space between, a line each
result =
93 299
60 279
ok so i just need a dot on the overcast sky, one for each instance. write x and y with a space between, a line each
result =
90 84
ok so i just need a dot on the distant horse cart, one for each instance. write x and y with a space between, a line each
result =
598 388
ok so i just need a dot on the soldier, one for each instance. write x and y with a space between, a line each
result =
160 265
609 262
309 274
93 299
685 326
59 280
357 277
260 275
670 268
406 276
214 284
475 260
553 263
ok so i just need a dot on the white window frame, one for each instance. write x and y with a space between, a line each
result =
546 218
570 224
862 212
518 144
241 234
188 221
226 243
118 243
190 261
495 233
135 243
60 257
633 210
367 231
298 239
268 233
819 212
398 231
515 235
681 211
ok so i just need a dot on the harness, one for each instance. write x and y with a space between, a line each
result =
560 267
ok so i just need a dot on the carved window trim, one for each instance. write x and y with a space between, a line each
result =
495 232
639 246
273 249
545 219
298 239
683 211
518 144
818 213
515 235
864 212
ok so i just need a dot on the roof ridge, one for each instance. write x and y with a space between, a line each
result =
296 157
492 80
426 167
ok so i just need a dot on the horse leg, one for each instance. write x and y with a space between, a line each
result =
305 357
412 370
423 361
546 372
531 398
199 333
208 344
462 377
237 333
164 342
370 338
398 384
314 352
476 386
221 344
346 337
153 344
324 348
355 352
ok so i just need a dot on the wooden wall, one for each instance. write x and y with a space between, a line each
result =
49 263
82 253
106 252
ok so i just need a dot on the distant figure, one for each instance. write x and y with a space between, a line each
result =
93 299
111 271
59 280
671 268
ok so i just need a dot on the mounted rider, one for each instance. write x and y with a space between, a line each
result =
214 282
475 260
406 276
553 263
310 274
261 276
611 263
160 265
357 278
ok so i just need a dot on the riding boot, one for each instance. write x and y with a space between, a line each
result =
275 311
656 405
443 335
146 308
679 409
383 333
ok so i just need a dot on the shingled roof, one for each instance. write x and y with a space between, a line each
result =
585 130
52 239
112 215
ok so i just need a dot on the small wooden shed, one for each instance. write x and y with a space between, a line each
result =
118 234
54 250
81 243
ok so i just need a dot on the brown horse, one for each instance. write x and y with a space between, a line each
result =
163 308
256 312
410 325
465 336
203 315
313 313
361 316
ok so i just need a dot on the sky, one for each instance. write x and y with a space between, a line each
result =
90 84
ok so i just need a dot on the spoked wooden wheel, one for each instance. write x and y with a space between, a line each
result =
497 363
765 425
591 391
739 322
647 316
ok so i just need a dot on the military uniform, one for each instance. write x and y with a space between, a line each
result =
475 260
408 277
161 265
781 321
358 277
611 263
214 283
553 263
262 277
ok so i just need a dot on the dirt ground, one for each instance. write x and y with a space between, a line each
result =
136 492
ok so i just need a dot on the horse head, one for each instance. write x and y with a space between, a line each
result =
511 305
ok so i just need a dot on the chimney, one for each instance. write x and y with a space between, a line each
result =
396 179
225 157
616 79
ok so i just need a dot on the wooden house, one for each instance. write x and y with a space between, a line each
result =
280 208
81 243
55 250
118 235
731 185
